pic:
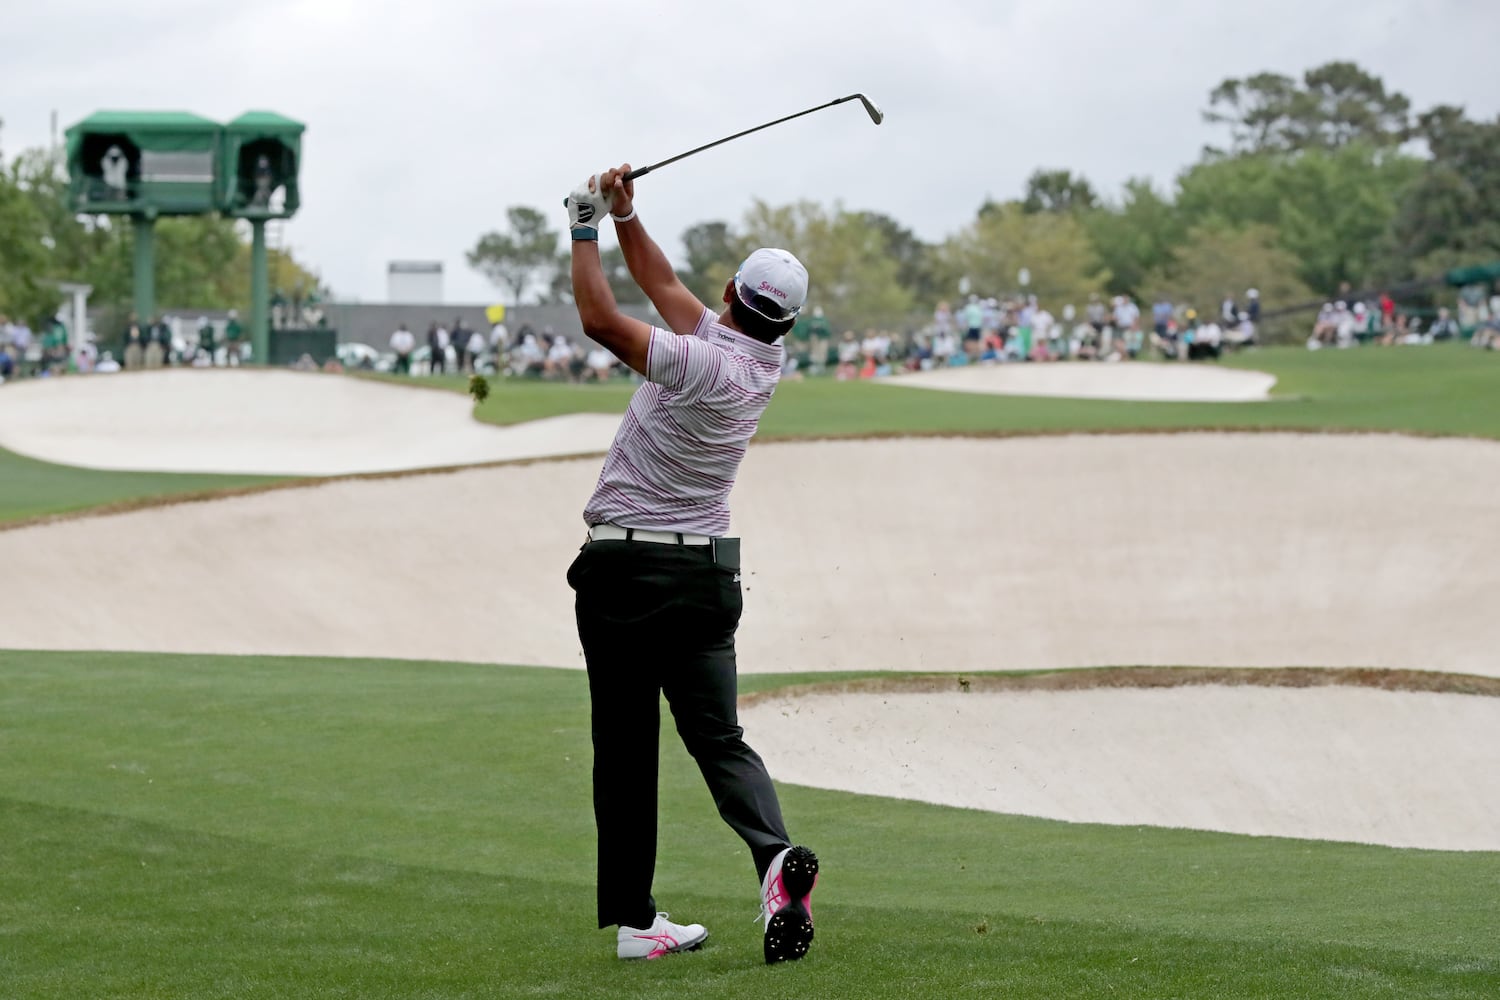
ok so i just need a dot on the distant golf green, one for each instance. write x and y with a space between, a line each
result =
1443 390
217 827
1434 390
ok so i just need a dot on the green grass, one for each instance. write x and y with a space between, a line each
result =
29 488
1451 390
186 826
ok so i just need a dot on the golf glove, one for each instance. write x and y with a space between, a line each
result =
586 208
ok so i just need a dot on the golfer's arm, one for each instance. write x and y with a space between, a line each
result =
652 271
628 338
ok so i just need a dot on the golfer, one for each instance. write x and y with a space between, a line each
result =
658 583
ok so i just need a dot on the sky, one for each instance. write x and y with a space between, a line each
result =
426 119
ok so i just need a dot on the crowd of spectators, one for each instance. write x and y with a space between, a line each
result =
1022 329
164 342
976 331
529 353
1378 321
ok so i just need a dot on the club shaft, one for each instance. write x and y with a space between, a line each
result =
632 175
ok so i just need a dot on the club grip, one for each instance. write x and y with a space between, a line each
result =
642 172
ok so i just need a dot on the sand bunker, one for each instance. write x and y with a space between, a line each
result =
271 422
1405 769
1202 549
1141 381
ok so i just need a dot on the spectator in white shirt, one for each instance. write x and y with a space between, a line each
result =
529 356
1045 335
599 365
849 349
559 358
403 342
1207 340
944 346
474 349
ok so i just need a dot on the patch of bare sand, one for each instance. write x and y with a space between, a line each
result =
930 554
270 422
1400 768
1139 381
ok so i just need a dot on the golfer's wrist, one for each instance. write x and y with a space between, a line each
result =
627 217
585 234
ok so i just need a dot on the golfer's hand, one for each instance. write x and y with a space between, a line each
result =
587 205
621 192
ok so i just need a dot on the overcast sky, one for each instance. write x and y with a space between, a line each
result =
427 118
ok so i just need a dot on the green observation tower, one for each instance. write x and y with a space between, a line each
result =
149 164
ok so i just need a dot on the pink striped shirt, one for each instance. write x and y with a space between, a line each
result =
679 446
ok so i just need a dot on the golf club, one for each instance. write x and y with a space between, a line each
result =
876 116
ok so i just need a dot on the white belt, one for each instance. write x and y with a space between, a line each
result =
613 532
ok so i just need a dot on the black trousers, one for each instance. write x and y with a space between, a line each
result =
660 619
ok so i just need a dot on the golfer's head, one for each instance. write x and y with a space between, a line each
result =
767 293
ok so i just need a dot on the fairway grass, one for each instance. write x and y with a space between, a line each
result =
191 826
30 488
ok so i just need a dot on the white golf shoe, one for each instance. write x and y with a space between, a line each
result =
662 938
786 904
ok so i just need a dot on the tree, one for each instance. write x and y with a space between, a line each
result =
1348 106
1335 104
1255 109
1135 237
1218 260
1330 209
521 258
713 253
25 290
1058 191
196 258
617 273
913 257
991 251
1452 209
851 271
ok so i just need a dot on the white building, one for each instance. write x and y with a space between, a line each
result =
414 282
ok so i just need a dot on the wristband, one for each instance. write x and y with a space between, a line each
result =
585 233
624 218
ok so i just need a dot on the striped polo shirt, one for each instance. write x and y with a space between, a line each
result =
675 456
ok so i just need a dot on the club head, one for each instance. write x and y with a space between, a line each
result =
876 115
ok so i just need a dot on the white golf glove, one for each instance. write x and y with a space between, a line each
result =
587 205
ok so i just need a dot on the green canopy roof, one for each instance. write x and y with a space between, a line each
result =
145 121
159 130
1478 274
266 121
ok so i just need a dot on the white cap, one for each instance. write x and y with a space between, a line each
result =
774 275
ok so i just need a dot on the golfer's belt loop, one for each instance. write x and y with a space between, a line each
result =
679 538
630 534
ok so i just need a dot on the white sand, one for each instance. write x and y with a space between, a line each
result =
1136 380
271 422
1210 550
1398 768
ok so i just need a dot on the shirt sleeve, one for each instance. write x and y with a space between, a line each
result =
687 366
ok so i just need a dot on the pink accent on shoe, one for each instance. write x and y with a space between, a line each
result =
664 944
